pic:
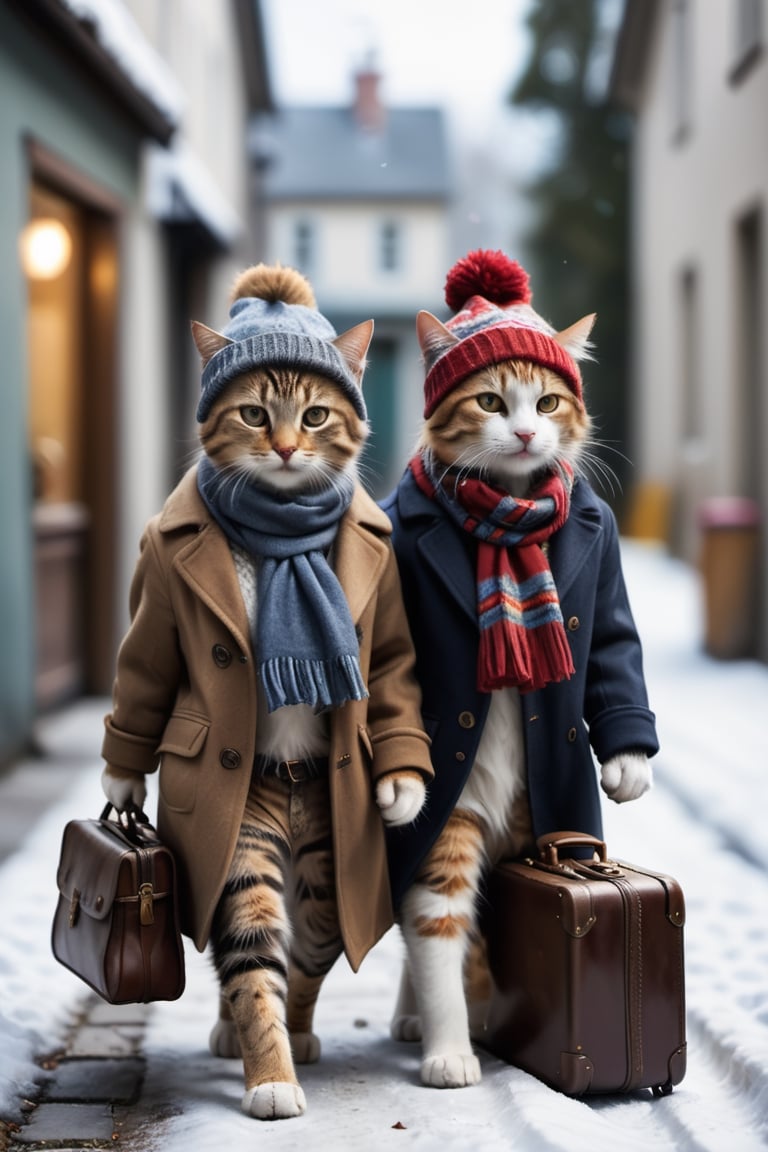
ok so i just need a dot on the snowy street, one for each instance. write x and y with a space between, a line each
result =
703 823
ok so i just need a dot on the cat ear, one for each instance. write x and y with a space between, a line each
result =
433 336
353 346
208 342
576 340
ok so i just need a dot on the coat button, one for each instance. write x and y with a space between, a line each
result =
572 734
466 719
574 623
229 758
221 656
460 757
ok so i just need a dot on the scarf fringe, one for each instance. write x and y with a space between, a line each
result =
319 683
506 658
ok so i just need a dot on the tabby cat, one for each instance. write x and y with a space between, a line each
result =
510 426
282 424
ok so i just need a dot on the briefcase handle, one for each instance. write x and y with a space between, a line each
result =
134 823
550 844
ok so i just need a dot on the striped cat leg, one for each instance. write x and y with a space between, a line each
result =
437 919
250 939
316 940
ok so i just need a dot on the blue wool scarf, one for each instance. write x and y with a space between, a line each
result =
305 641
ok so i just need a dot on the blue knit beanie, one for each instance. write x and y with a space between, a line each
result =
276 333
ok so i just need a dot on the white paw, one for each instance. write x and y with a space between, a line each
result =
459 1070
224 1040
122 791
276 1101
405 1028
626 776
305 1047
400 798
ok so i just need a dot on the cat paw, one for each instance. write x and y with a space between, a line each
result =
459 1070
305 1047
400 797
626 776
123 788
224 1040
405 1028
275 1101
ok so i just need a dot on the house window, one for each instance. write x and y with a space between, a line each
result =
682 58
693 401
304 244
748 36
390 246
749 400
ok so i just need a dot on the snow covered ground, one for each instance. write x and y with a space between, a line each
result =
704 823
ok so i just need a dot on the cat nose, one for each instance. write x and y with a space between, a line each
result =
526 437
284 453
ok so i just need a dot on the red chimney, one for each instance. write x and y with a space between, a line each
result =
368 109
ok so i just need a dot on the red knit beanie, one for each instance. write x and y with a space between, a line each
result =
494 321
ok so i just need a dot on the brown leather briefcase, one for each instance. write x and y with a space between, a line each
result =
116 921
586 958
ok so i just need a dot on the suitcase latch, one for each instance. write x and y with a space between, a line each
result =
603 869
146 904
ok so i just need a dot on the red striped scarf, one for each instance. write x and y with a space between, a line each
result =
522 638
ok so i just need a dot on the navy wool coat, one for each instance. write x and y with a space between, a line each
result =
603 707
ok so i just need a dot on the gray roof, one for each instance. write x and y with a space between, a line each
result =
322 153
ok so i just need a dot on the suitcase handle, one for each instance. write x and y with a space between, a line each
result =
551 842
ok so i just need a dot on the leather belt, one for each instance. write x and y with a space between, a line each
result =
291 771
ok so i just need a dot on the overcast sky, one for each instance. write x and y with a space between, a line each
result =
462 57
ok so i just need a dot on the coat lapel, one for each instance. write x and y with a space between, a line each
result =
205 563
360 555
207 567
572 545
441 550
439 545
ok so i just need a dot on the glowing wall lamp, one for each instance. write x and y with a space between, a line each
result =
45 246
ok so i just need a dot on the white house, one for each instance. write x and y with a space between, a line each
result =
695 74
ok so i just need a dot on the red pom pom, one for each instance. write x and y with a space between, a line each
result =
489 274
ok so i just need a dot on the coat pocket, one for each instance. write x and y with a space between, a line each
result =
179 751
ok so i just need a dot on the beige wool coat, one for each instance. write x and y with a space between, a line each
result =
185 701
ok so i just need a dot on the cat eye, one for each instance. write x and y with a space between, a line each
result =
548 404
253 416
490 402
315 416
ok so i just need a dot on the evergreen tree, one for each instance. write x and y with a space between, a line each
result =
577 246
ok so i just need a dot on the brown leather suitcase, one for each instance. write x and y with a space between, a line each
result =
586 958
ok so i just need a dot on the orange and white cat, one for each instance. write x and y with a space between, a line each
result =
525 646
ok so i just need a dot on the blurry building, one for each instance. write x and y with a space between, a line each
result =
696 77
358 198
126 210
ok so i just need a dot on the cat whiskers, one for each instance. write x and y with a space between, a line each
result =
368 475
233 476
594 466
467 463
324 476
